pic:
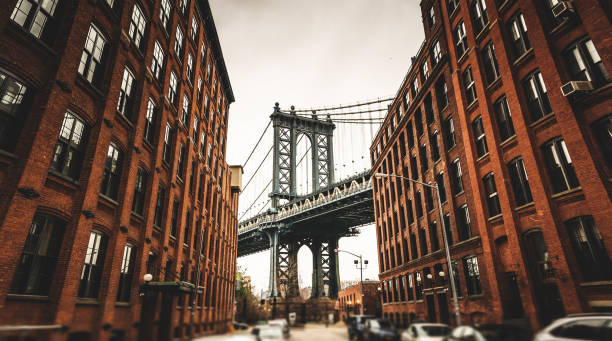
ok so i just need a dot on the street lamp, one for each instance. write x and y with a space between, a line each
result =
359 264
448 257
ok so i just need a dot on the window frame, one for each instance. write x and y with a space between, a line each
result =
70 153
93 265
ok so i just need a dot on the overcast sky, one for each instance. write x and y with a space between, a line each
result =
311 53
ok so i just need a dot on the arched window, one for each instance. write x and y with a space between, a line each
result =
36 268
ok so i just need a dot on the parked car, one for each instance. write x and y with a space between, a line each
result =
270 332
489 332
380 330
355 323
584 327
426 332
282 323
240 326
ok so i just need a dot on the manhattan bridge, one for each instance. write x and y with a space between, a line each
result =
313 190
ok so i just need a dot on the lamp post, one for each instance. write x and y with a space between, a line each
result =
359 264
451 274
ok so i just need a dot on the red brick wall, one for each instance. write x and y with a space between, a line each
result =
499 242
50 72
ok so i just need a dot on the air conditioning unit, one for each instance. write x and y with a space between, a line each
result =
563 8
575 87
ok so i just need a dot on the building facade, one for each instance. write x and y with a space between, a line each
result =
350 300
113 129
506 107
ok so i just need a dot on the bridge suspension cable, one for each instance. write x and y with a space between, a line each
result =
345 106
257 170
257 144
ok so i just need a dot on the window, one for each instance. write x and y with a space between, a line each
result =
441 93
433 237
504 119
157 63
410 287
423 157
418 204
423 240
537 255
429 198
584 329
12 94
490 63
585 64
537 96
413 167
559 164
139 191
203 54
189 69
167 141
126 100
149 129
178 42
424 71
460 40
479 136
591 254
479 15
180 169
200 91
436 53
36 267
34 16
92 56
187 233
70 147
472 275
159 207
520 182
164 13
112 172
431 16
518 35
174 220
452 5
185 111
603 134
449 133
457 181
172 89
429 112
137 26
91 276
202 142
194 28
419 285
447 227
441 186
492 197
435 149
125 274
418 121
415 86
469 86
194 133
184 4
463 223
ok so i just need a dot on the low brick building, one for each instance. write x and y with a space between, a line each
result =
113 129
349 300
506 106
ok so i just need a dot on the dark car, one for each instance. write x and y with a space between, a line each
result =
355 325
380 330
489 332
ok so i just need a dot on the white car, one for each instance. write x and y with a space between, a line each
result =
270 333
581 327
426 332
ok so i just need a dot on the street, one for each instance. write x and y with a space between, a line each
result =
309 332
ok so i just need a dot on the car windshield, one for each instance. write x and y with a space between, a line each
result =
271 333
436 330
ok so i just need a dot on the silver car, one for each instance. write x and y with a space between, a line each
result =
583 327
426 332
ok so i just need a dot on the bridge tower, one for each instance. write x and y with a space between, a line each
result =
283 268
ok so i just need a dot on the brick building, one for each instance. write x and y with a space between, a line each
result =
113 128
506 106
349 300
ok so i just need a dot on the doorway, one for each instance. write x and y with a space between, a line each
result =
431 308
443 306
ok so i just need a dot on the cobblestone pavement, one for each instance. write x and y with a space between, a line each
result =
309 332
